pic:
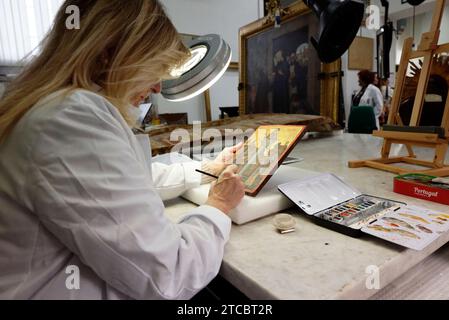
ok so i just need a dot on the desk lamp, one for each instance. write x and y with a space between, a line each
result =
210 58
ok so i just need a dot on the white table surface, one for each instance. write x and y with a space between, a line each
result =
314 262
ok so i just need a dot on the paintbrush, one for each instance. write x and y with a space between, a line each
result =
207 174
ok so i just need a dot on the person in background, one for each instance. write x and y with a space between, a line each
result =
79 191
369 94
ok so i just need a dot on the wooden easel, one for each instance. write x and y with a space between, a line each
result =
427 49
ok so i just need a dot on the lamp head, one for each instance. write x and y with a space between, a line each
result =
210 58
415 2
340 21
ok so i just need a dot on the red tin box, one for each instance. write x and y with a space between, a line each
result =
421 186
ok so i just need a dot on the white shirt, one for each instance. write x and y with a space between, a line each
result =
373 97
77 188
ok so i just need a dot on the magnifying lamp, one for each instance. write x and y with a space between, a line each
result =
209 60
340 21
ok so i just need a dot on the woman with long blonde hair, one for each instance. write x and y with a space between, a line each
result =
81 211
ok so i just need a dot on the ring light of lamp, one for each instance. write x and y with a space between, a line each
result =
210 58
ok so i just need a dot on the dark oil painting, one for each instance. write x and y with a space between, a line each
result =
282 69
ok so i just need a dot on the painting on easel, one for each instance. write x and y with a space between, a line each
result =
436 93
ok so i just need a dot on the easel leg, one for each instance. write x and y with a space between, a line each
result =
411 154
386 149
440 155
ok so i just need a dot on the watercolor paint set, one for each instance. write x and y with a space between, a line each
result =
335 205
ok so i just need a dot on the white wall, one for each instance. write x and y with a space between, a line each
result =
400 10
350 80
201 17
422 24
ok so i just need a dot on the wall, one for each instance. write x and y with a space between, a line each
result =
400 10
201 17
350 80
422 24
444 36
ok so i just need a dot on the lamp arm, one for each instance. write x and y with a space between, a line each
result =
386 4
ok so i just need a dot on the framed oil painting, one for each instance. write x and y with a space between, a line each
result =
284 4
264 152
280 71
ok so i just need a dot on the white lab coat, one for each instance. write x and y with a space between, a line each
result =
77 188
373 97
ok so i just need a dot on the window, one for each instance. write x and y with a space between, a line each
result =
23 24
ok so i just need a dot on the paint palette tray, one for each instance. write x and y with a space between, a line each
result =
337 206
357 213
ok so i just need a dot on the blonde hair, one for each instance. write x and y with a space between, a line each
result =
122 46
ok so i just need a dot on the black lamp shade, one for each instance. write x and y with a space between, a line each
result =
339 24
415 2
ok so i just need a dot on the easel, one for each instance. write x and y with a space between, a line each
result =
427 49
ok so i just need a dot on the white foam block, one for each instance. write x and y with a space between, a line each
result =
268 201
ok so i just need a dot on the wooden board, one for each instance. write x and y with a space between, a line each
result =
161 142
361 54
264 152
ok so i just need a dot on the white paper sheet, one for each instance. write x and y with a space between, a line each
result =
411 226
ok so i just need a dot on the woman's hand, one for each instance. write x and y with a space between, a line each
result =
228 191
227 156
223 160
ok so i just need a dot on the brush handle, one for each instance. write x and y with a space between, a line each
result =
206 174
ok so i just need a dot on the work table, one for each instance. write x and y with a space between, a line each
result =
315 262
